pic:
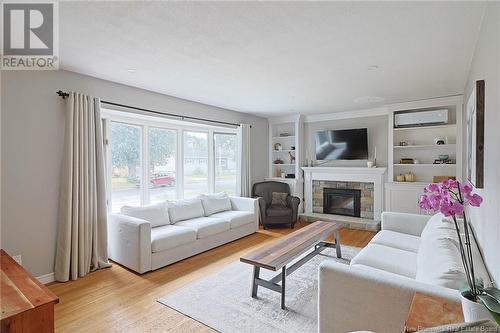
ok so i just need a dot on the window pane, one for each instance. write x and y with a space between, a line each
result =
125 165
195 163
162 176
226 173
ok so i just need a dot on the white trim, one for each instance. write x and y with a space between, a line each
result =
46 278
427 103
374 112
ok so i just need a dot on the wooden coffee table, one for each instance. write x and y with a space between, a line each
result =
281 252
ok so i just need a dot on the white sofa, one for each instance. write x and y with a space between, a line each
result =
411 253
170 232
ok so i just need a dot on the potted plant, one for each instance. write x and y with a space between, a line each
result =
452 199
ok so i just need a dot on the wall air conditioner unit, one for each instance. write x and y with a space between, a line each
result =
421 118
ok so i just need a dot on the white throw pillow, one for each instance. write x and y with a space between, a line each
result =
215 203
439 263
155 214
184 209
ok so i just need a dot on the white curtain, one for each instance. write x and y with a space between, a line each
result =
82 232
244 162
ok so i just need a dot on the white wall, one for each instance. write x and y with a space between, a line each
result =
377 136
486 66
32 143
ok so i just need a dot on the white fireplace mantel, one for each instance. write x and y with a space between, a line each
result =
346 174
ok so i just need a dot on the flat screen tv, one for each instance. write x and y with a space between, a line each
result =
349 144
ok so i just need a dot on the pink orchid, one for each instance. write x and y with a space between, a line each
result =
433 187
445 197
466 188
473 200
452 208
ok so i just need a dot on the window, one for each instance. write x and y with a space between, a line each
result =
162 149
195 163
150 159
126 169
225 162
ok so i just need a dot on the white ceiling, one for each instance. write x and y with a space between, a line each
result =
274 58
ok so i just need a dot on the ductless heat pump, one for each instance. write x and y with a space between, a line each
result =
421 118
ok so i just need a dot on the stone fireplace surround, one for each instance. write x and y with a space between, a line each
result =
366 195
373 176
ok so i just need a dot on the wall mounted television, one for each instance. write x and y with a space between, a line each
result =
348 144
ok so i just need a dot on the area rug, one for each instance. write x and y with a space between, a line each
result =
222 300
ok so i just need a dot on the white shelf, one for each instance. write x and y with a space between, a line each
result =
284 137
283 151
425 127
283 164
451 145
426 165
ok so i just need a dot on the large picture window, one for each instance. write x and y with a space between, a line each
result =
126 170
225 162
162 164
195 163
151 161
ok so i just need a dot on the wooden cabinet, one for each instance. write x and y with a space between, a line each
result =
26 304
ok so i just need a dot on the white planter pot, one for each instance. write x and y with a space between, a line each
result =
474 311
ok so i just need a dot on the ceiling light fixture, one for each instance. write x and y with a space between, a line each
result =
368 99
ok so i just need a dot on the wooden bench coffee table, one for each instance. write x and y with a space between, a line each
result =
281 252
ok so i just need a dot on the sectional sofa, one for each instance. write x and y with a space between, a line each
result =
411 253
147 238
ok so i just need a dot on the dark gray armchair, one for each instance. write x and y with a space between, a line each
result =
275 214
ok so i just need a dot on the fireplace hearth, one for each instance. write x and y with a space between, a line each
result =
342 201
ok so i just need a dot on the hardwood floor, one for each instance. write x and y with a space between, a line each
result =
118 300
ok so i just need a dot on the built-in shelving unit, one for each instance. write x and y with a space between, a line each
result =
419 143
286 143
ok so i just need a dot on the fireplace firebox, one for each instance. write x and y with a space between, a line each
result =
342 202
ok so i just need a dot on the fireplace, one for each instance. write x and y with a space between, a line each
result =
342 202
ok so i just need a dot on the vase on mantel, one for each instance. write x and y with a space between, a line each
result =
474 311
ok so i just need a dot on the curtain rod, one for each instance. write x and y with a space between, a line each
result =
65 94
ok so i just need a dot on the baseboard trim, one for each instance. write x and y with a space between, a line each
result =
46 278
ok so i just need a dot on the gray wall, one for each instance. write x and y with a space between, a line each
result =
486 66
377 136
32 142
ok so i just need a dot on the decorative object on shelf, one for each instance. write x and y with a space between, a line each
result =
290 175
439 179
439 141
444 157
278 146
277 172
475 135
292 148
448 161
406 161
416 161
285 134
410 177
452 199
369 164
283 175
400 178
403 143
292 157
278 161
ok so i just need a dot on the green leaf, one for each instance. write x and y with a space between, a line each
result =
493 292
490 303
